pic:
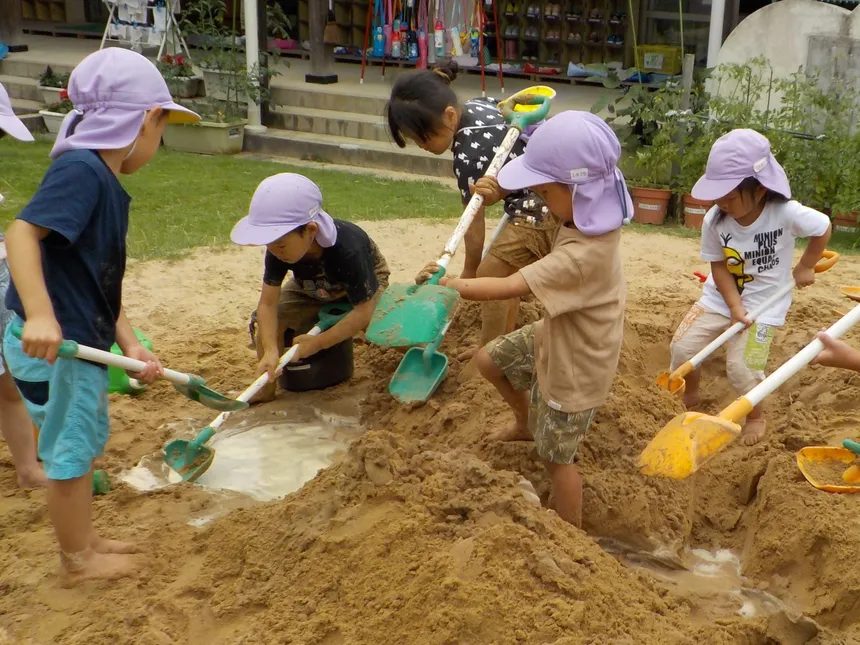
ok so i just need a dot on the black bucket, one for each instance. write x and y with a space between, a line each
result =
326 368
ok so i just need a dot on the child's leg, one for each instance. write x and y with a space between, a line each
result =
557 437
17 430
746 360
508 363
68 401
698 328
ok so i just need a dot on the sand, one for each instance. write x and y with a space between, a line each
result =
421 533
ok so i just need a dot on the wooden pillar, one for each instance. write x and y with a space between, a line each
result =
10 25
322 57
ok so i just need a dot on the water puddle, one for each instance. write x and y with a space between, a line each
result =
710 580
265 456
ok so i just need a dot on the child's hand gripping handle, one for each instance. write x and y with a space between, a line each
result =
517 120
742 406
71 349
828 259
329 316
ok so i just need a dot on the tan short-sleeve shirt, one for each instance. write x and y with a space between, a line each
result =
578 343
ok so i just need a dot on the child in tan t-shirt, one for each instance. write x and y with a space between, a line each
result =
555 373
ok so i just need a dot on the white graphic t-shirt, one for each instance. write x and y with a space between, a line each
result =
760 256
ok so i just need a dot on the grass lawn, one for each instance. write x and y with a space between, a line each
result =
182 201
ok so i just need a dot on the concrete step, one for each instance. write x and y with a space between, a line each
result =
15 66
21 87
332 149
325 97
23 107
341 124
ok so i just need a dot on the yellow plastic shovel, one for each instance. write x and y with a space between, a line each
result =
675 382
851 292
831 469
690 439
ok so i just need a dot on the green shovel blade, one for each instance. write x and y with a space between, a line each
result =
188 460
417 379
197 391
409 314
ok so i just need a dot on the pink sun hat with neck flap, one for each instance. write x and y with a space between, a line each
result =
281 204
9 122
579 150
112 89
736 156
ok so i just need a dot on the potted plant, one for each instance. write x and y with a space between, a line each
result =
54 114
50 85
180 76
650 192
698 139
221 130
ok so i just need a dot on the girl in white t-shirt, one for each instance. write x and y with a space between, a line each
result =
748 238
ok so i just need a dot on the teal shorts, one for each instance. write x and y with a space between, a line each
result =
68 402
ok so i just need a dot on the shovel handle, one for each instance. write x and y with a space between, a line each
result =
477 201
71 349
329 316
796 363
828 259
853 446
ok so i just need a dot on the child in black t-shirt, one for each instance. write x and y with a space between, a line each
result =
331 261
425 110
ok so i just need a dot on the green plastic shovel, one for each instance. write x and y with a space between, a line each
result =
421 371
410 314
190 385
192 458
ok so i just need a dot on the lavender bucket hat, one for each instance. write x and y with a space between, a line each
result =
281 204
112 90
10 123
736 156
576 149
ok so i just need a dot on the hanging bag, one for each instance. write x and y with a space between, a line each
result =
386 29
378 35
439 30
330 34
422 34
456 45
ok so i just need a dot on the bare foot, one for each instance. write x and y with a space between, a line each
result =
467 354
515 432
470 371
102 545
32 477
89 565
266 394
692 401
754 431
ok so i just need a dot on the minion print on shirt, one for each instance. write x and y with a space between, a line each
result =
735 263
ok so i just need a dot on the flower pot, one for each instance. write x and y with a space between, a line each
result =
650 205
184 87
50 95
846 222
218 83
206 138
694 211
53 120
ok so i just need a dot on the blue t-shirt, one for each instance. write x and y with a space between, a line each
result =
85 208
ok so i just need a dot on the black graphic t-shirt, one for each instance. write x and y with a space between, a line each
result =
482 130
346 269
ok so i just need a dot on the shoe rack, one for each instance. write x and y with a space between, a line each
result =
350 15
555 34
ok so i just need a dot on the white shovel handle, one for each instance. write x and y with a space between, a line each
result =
720 340
125 363
800 360
257 385
477 201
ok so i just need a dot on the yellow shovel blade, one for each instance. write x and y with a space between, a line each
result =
539 90
673 385
851 292
829 468
685 444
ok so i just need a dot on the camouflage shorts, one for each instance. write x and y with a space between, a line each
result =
557 434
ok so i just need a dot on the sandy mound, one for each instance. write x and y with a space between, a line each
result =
421 533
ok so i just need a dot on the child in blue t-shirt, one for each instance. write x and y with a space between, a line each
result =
15 423
67 253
